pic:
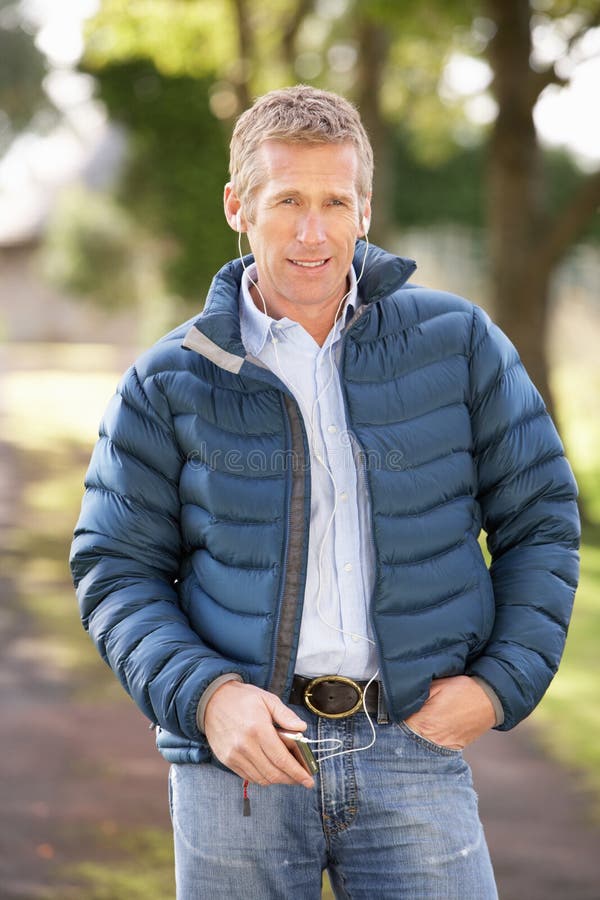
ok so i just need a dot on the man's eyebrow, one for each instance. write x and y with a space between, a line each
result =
342 195
284 192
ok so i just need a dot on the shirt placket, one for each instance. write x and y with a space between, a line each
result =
342 539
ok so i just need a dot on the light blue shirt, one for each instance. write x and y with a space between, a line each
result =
335 635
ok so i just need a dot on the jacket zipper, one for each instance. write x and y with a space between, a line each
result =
365 481
288 503
277 651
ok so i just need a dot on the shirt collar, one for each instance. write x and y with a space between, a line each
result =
256 325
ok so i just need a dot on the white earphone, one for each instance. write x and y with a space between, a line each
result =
365 224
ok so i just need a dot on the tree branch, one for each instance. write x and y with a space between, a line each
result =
540 80
374 42
291 27
246 51
592 22
537 81
569 223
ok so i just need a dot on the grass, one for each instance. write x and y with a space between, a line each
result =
51 411
38 548
53 400
569 714
570 711
127 865
116 874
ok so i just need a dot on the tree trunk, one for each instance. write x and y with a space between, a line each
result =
374 48
515 199
525 244
246 54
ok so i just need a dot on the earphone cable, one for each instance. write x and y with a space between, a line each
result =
320 457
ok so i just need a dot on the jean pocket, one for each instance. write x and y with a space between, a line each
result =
426 743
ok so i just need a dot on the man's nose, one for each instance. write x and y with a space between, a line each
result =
311 228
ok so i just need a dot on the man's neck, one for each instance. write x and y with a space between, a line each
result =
316 321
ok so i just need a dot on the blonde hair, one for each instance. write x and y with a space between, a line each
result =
299 114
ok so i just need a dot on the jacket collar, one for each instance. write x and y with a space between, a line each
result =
216 333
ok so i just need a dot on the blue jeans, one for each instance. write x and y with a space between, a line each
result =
399 820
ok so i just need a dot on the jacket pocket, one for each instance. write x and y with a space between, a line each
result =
486 599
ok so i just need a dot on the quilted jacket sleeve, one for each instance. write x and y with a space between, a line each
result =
125 561
527 496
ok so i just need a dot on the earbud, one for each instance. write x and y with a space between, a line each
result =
366 224
238 220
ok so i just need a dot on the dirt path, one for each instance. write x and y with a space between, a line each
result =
538 821
71 771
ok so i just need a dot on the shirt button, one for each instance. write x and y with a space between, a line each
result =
348 567
331 429
344 497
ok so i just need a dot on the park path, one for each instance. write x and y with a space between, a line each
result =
70 770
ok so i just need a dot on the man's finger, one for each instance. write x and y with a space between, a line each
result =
285 717
285 762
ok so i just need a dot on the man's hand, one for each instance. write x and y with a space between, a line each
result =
239 725
457 712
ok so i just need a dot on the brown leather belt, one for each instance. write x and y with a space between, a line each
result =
334 696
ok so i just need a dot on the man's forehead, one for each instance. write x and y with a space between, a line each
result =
272 149
283 161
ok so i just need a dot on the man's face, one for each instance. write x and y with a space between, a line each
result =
305 224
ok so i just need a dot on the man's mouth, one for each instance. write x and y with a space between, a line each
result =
309 264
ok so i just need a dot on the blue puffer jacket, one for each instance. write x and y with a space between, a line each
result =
190 553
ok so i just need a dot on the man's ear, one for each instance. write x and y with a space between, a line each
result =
365 222
233 208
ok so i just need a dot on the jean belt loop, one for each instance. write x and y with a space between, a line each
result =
382 713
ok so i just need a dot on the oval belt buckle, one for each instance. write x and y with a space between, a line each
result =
343 680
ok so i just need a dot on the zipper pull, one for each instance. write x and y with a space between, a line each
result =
246 803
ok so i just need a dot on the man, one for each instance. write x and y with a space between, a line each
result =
280 529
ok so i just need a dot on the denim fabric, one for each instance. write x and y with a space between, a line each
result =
399 820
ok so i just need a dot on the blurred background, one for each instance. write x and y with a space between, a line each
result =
115 119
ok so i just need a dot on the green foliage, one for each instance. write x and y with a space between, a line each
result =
22 69
161 65
453 189
175 177
178 166
90 248
562 179
181 37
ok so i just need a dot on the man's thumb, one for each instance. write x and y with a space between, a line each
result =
284 716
